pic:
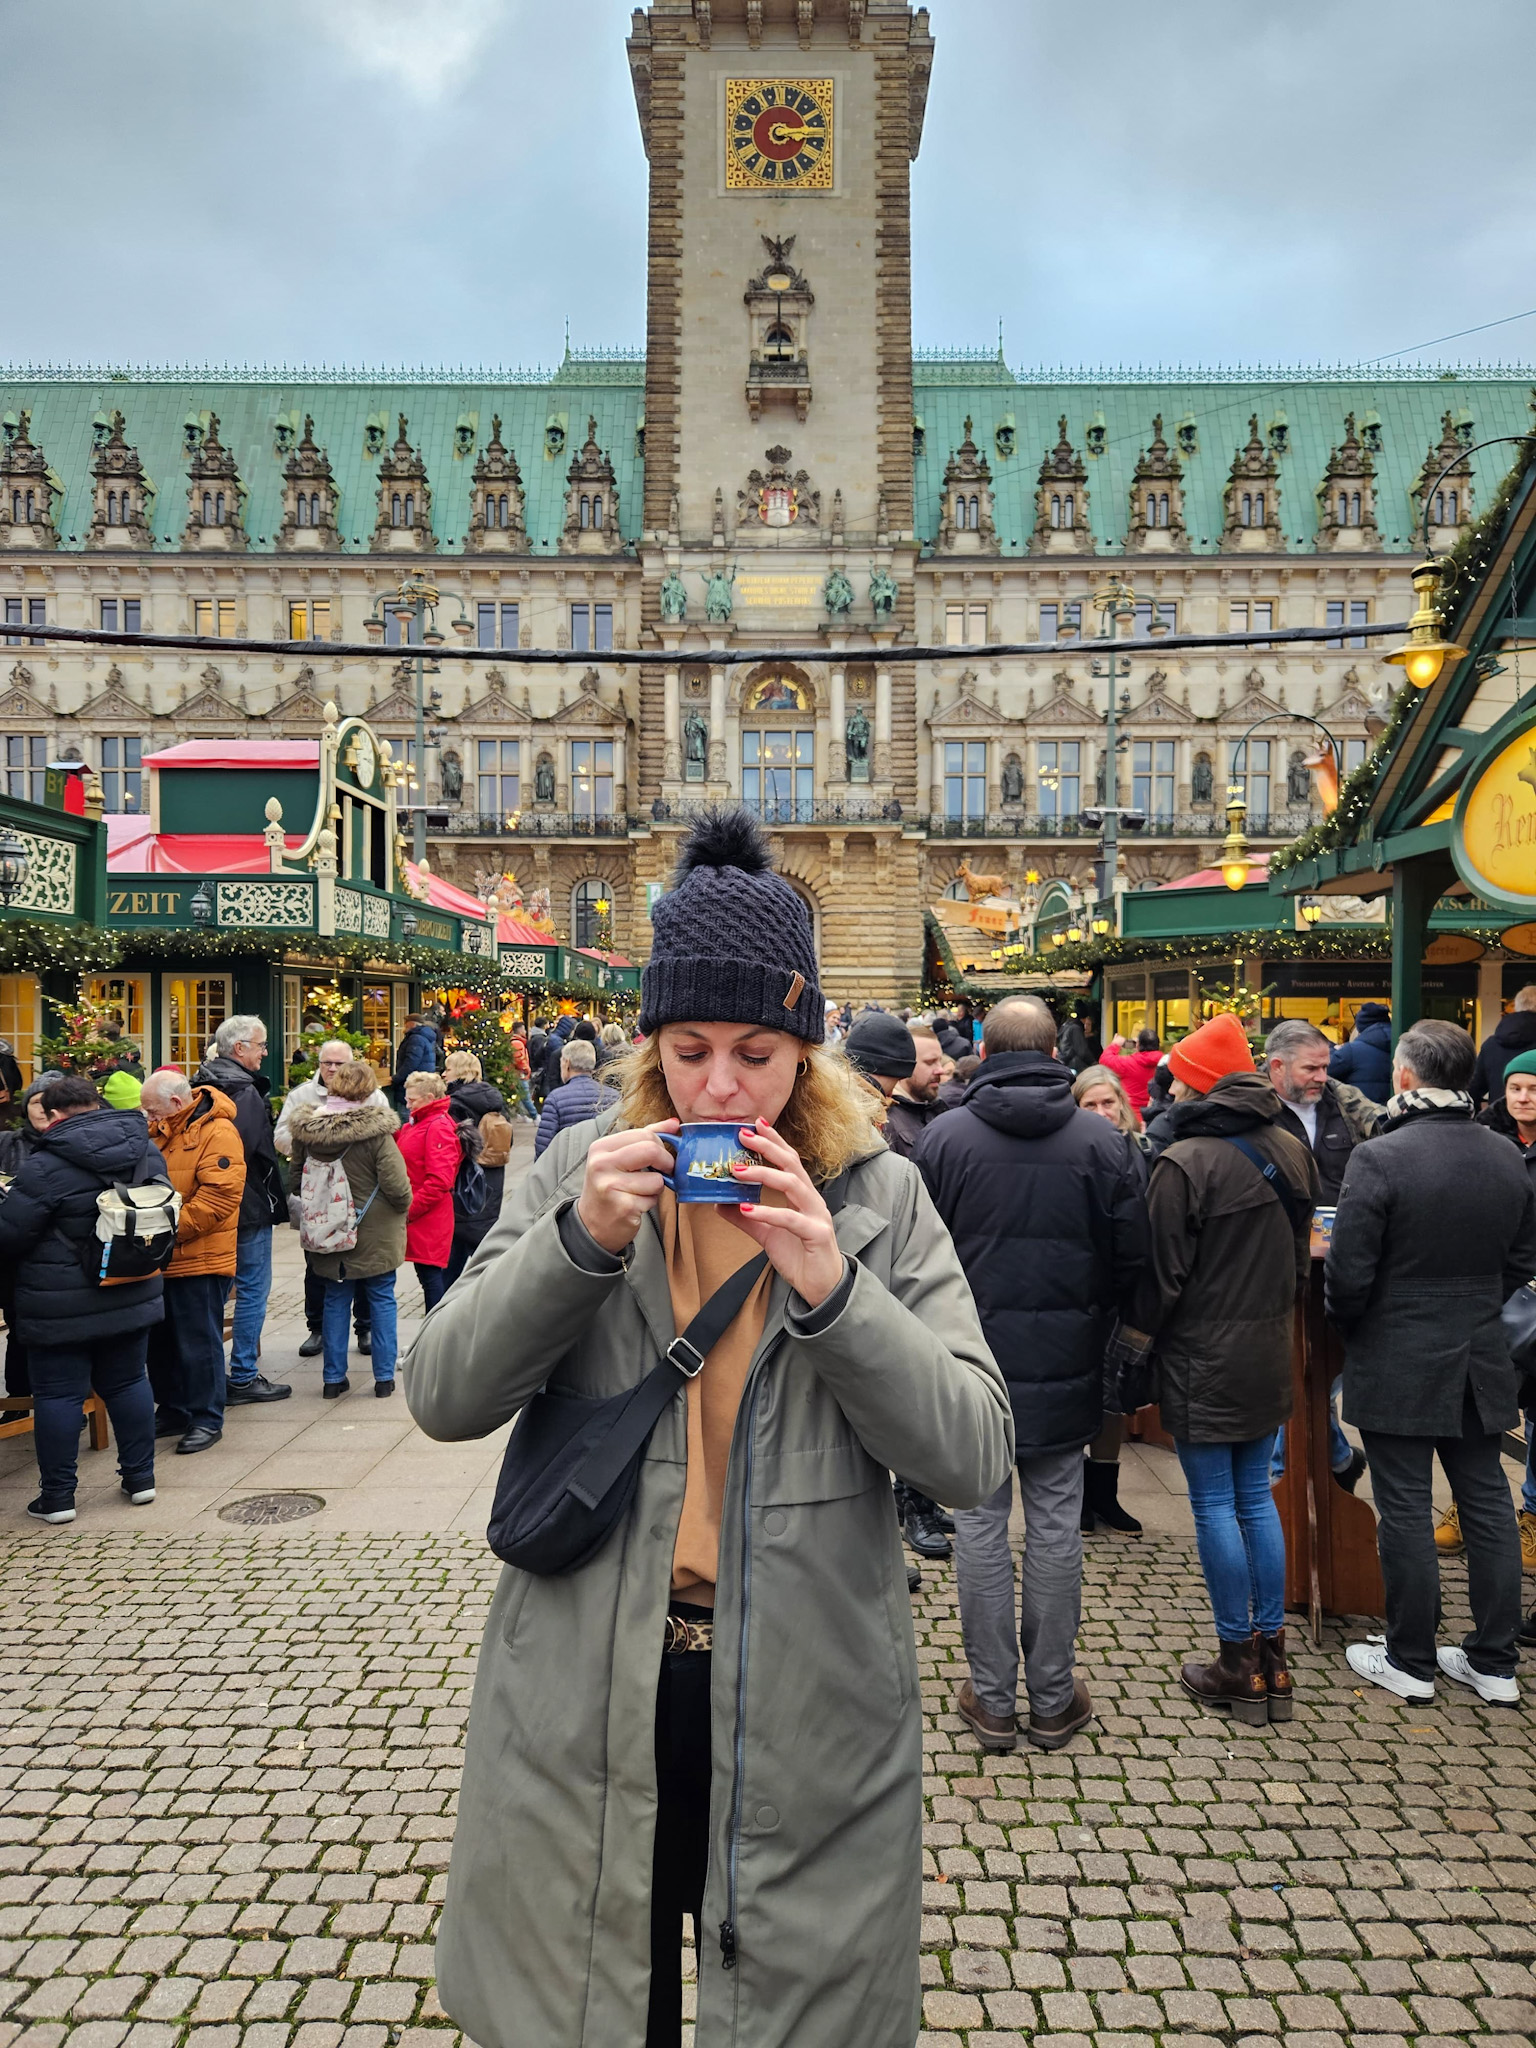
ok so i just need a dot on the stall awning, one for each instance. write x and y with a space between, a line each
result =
447 896
135 848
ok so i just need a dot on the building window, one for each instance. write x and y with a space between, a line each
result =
967 513
498 780
592 778
402 508
122 778
1356 611
1355 752
125 994
310 619
965 625
375 1024
400 632
1349 508
129 610
119 508
591 514
592 913
1248 770
498 509
306 509
1166 615
1063 509
26 764
195 1007
214 616
1059 770
213 508
965 778
30 611
487 618
1152 777
777 775
1253 508
1446 503
20 1018
592 628
1259 615
1061 622
22 507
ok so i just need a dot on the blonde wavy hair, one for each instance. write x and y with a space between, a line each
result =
829 1118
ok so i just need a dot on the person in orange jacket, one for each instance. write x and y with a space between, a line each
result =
195 1131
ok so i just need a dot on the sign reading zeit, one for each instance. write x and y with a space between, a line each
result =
778 133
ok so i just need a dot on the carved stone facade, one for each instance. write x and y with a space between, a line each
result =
1061 502
966 525
591 500
403 522
119 518
1157 500
26 491
1252 497
309 498
214 515
497 524
1346 498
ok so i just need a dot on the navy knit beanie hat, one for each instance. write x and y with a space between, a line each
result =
731 942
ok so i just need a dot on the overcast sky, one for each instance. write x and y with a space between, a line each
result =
388 182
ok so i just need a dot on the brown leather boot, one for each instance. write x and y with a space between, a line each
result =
997 1732
1234 1681
1277 1679
1055 1731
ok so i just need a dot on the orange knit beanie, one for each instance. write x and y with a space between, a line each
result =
1217 1048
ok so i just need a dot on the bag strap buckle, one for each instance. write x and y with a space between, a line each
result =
691 1365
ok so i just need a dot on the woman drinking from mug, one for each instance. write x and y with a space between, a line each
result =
717 1714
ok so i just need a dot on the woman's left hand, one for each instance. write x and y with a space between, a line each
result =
799 1238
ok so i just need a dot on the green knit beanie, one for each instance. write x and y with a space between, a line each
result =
1522 1063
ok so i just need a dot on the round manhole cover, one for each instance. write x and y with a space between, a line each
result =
272 1507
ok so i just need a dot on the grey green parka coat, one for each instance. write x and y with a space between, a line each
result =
816 1814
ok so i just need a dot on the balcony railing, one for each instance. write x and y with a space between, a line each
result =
536 825
1185 825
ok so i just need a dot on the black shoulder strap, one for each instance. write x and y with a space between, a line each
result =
684 1361
1273 1178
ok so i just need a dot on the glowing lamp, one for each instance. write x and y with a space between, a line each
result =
1234 848
1425 653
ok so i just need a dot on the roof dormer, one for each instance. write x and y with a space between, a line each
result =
310 496
1061 501
26 491
1346 498
591 501
122 494
214 494
1157 500
1251 500
496 520
966 525
403 524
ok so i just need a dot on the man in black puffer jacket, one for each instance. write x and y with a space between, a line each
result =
1046 1210
79 1336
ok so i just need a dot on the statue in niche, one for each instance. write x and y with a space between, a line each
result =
695 747
452 772
1298 778
839 594
544 780
673 598
882 593
717 596
858 744
1202 782
1013 780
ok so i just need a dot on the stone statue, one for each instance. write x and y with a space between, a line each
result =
717 596
882 593
673 598
544 780
1298 779
858 744
839 594
1013 780
695 747
1201 780
452 771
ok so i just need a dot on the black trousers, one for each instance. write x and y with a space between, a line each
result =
1401 1472
682 1829
314 1302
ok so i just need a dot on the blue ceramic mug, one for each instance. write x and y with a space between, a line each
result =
706 1153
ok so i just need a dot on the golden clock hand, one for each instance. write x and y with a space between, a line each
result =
782 132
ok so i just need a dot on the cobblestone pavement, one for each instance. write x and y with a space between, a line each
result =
228 1766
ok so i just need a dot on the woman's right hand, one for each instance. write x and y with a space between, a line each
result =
623 1181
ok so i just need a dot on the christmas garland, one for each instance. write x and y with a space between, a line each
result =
1353 808
1091 955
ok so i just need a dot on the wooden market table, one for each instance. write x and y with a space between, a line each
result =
1331 1565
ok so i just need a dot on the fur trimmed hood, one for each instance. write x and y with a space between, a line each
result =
327 1136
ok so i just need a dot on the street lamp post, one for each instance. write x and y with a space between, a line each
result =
1116 601
1234 855
415 604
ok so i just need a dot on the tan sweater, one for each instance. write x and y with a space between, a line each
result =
703 1250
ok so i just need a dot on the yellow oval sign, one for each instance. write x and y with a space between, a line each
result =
1520 938
1452 949
1494 841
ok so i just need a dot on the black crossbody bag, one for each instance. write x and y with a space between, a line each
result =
573 1460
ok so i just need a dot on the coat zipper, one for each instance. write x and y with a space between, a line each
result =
728 1926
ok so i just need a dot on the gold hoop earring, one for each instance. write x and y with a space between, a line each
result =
804 1067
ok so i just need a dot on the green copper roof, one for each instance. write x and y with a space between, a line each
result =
157 405
1407 409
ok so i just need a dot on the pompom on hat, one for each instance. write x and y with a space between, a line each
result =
1218 1048
731 941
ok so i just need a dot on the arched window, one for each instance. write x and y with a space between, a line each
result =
586 512
490 508
1258 508
301 510
394 509
1056 511
1162 508
207 508
218 509
111 508
1069 510
1247 508
410 508
781 342
502 503
1354 508
1451 501
592 913
314 508
597 511
16 506
975 515
1439 508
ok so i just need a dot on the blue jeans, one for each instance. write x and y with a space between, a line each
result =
1237 1529
379 1291
253 1283
1340 1450
186 1352
62 1376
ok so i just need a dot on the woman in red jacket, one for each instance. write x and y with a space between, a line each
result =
1135 1069
429 1144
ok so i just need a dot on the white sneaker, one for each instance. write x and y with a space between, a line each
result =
1500 1692
1369 1660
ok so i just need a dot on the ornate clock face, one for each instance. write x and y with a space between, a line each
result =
778 134
364 761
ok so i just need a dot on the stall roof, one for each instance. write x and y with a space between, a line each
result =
511 931
135 848
446 896
1212 878
288 754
